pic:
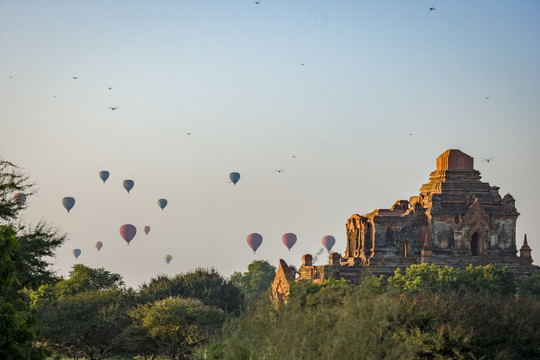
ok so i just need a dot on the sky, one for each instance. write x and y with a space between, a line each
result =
354 100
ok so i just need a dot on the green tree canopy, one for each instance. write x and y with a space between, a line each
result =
178 325
425 277
531 286
16 323
88 324
204 284
256 281
81 279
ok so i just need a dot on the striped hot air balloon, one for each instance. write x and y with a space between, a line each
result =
128 185
68 203
234 176
104 175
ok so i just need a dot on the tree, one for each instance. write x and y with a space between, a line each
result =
36 243
84 314
531 286
23 252
12 180
256 281
178 326
204 284
83 278
88 324
432 278
16 335
32 259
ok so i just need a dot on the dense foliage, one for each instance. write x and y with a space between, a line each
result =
25 255
204 284
177 326
255 282
15 322
426 313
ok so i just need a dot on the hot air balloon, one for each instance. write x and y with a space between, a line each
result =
76 253
168 259
254 241
98 245
146 229
128 231
68 202
289 239
162 203
128 184
104 175
234 176
19 198
328 242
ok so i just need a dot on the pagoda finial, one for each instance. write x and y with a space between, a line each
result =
525 251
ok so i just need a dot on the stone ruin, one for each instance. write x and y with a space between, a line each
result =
456 220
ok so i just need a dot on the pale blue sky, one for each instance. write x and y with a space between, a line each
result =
230 72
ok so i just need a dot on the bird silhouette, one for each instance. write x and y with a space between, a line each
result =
487 97
113 107
302 64
432 8
257 2
11 76
75 77
488 159
110 87
189 132
279 170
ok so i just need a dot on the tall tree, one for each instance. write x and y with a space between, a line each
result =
25 254
16 335
256 281
37 243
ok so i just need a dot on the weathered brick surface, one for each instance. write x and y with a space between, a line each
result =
456 220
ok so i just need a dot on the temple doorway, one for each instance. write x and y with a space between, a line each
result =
405 249
475 244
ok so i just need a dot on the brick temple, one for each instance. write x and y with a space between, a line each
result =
456 220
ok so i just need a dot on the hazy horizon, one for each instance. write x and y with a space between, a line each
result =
354 100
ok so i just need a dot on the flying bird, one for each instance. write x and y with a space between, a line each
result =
110 87
113 107
487 97
189 132
279 170
432 8
75 77
11 76
488 159
257 2
410 134
302 64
